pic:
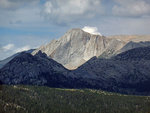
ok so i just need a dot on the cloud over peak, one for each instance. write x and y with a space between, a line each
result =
92 30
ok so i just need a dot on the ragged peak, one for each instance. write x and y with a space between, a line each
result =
40 54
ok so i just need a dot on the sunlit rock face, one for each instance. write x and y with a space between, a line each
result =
77 46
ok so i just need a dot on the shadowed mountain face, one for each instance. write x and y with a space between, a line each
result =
39 70
128 72
76 47
141 53
33 70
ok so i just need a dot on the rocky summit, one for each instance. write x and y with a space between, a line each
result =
77 46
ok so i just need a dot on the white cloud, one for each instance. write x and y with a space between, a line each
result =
24 48
131 8
8 47
92 30
69 10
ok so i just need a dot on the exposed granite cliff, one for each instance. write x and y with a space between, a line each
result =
76 47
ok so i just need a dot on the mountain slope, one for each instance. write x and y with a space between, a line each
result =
140 53
76 47
32 70
128 72
40 70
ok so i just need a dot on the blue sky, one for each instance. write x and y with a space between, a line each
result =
26 24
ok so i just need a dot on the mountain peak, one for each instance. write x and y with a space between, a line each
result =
77 46
41 54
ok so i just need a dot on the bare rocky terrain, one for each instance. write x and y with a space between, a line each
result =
76 47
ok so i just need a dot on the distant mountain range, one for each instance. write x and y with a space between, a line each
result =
103 63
